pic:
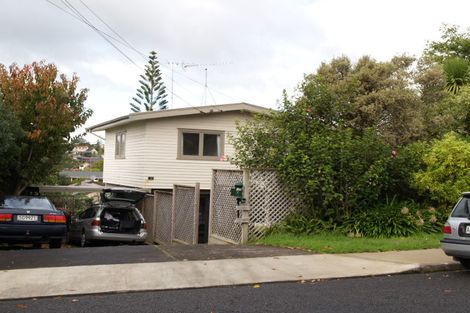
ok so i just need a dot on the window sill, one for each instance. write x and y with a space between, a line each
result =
199 158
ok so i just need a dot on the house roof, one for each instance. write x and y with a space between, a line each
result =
201 110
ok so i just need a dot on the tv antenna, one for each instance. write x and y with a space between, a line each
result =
184 66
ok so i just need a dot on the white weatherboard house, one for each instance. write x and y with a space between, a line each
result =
154 150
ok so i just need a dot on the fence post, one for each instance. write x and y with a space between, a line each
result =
245 209
173 208
196 213
211 206
154 228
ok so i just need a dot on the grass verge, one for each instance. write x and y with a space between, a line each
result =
338 243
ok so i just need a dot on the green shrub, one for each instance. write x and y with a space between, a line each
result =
298 224
447 170
394 219
390 219
380 224
72 203
430 220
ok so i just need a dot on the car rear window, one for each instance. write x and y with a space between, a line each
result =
27 203
462 209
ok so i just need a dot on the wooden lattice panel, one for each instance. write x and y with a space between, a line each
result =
163 223
186 214
269 203
223 212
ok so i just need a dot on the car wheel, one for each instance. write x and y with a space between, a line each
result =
55 244
83 241
465 263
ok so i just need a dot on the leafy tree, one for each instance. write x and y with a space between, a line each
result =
444 77
10 134
447 171
48 108
438 117
453 44
453 53
151 92
333 144
368 94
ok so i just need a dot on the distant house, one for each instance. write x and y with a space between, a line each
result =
91 151
154 150
79 149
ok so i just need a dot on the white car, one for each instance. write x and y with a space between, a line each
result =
456 242
115 219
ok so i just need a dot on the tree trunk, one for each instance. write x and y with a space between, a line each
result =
20 188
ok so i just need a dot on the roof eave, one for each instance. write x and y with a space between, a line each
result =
243 107
108 124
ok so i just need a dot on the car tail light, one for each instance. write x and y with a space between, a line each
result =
447 229
6 217
48 218
96 222
144 225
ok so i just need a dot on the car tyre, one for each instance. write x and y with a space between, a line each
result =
55 244
83 240
465 263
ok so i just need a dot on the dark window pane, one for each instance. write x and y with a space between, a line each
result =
211 145
462 209
190 144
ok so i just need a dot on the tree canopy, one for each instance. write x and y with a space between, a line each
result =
47 108
453 44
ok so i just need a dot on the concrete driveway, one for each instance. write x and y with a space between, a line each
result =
127 254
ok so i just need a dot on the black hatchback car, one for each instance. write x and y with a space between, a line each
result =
27 219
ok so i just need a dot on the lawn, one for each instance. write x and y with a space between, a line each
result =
338 243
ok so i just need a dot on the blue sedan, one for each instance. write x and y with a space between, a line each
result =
26 219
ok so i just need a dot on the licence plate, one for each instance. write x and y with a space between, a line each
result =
27 218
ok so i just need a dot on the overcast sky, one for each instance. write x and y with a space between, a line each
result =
252 49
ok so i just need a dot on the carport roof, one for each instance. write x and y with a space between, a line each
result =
200 110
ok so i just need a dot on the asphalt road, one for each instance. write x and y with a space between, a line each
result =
437 292
16 258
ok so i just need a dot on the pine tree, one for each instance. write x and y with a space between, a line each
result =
152 92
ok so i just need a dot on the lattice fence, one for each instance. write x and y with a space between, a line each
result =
163 217
186 214
223 213
269 202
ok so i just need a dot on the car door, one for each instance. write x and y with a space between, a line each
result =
79 222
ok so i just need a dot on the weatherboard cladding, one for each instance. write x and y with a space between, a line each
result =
151 151
127 171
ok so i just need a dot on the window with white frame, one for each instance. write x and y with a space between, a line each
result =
120 145
196 144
